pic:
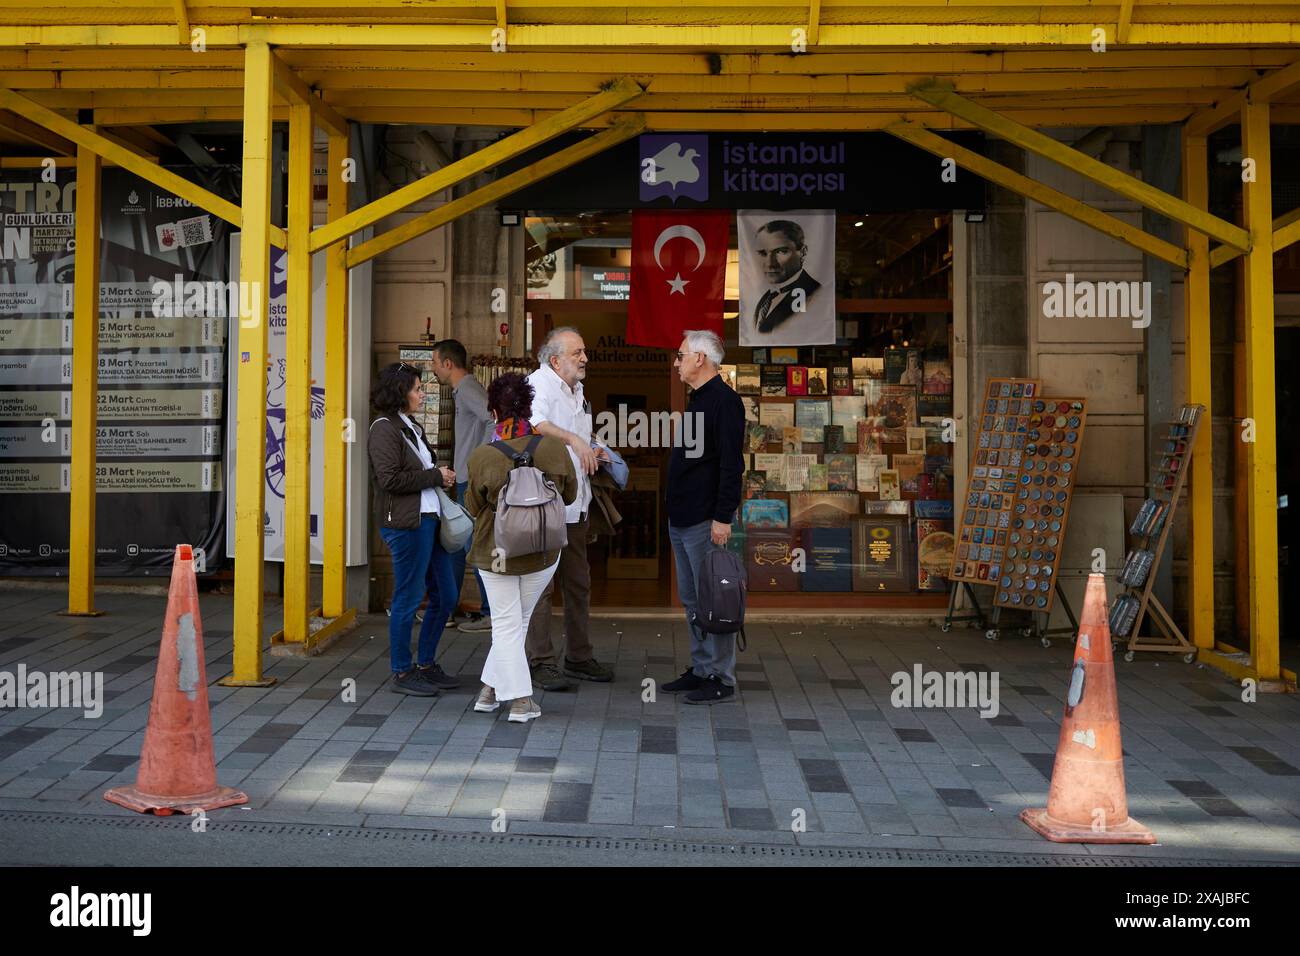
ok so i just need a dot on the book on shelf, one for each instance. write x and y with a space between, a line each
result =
818 382
772 380
748 381
833 439
828 555
818 477
841 380
796 380
841 472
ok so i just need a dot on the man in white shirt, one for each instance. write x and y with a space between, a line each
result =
560 411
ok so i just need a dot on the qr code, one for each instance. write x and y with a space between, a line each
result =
195 231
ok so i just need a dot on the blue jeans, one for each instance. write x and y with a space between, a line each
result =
420 567
459 558
712 655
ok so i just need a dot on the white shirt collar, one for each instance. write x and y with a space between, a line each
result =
575 391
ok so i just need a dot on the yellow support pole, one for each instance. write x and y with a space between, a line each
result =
1196 323
1261 395
297 383
85 387
254 270
339 434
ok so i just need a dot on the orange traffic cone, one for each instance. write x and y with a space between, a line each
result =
1086 802
177 768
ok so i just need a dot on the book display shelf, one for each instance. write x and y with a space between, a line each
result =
1150 534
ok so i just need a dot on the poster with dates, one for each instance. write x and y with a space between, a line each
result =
163 302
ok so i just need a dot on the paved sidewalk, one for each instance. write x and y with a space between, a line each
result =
812 736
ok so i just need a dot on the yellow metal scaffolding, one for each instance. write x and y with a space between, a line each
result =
913 69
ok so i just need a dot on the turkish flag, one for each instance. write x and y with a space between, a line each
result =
679 265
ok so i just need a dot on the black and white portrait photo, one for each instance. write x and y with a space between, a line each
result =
787 277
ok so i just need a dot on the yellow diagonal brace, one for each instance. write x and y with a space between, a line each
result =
1286 229
1024 186
1155 199
1221 254
624 128
142 167
814 21
619 93
1266 88
298 91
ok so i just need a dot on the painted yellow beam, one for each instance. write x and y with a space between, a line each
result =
297 91
127 159
1196 330
489 156
1125 24
182 20
339 433
1024 186
1286 230
738 37
624 128
250 433
297 384
1261 395
85 386
1058 152
814 21
756 37
1221 254
114 116
1266 89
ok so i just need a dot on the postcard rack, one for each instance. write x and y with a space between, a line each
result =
1150 532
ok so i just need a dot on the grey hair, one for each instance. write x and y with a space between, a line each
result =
702 340
551 348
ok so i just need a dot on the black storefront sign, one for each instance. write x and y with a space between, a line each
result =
853 172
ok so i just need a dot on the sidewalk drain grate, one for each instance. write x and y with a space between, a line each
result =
623 844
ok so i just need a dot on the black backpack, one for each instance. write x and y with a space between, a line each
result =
720 589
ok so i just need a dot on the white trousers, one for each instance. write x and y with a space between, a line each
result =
512 598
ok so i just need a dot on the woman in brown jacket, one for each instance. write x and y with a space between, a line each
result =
407 511
513 584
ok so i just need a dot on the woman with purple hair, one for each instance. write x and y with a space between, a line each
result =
513 584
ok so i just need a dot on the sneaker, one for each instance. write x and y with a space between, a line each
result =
588 670
476 622
548 677
487 700
436 676
711 691
524 710
688 681
413 682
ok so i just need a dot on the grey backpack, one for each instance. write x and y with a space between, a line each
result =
721 589
530 511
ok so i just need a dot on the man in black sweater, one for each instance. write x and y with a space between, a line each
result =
704 484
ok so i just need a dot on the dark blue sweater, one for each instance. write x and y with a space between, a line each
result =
707 487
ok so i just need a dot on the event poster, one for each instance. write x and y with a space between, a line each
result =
787 277
160 421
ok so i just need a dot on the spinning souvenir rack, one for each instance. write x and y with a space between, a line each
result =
1152 524
1012 531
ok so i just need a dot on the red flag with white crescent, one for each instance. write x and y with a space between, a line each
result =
679 266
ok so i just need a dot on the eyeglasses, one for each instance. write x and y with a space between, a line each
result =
682 355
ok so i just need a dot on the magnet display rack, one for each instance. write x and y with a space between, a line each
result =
1003 419
1048 474
1150 532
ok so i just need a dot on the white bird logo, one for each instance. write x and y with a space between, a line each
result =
673 166
680 231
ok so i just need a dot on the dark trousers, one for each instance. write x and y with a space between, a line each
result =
574 577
